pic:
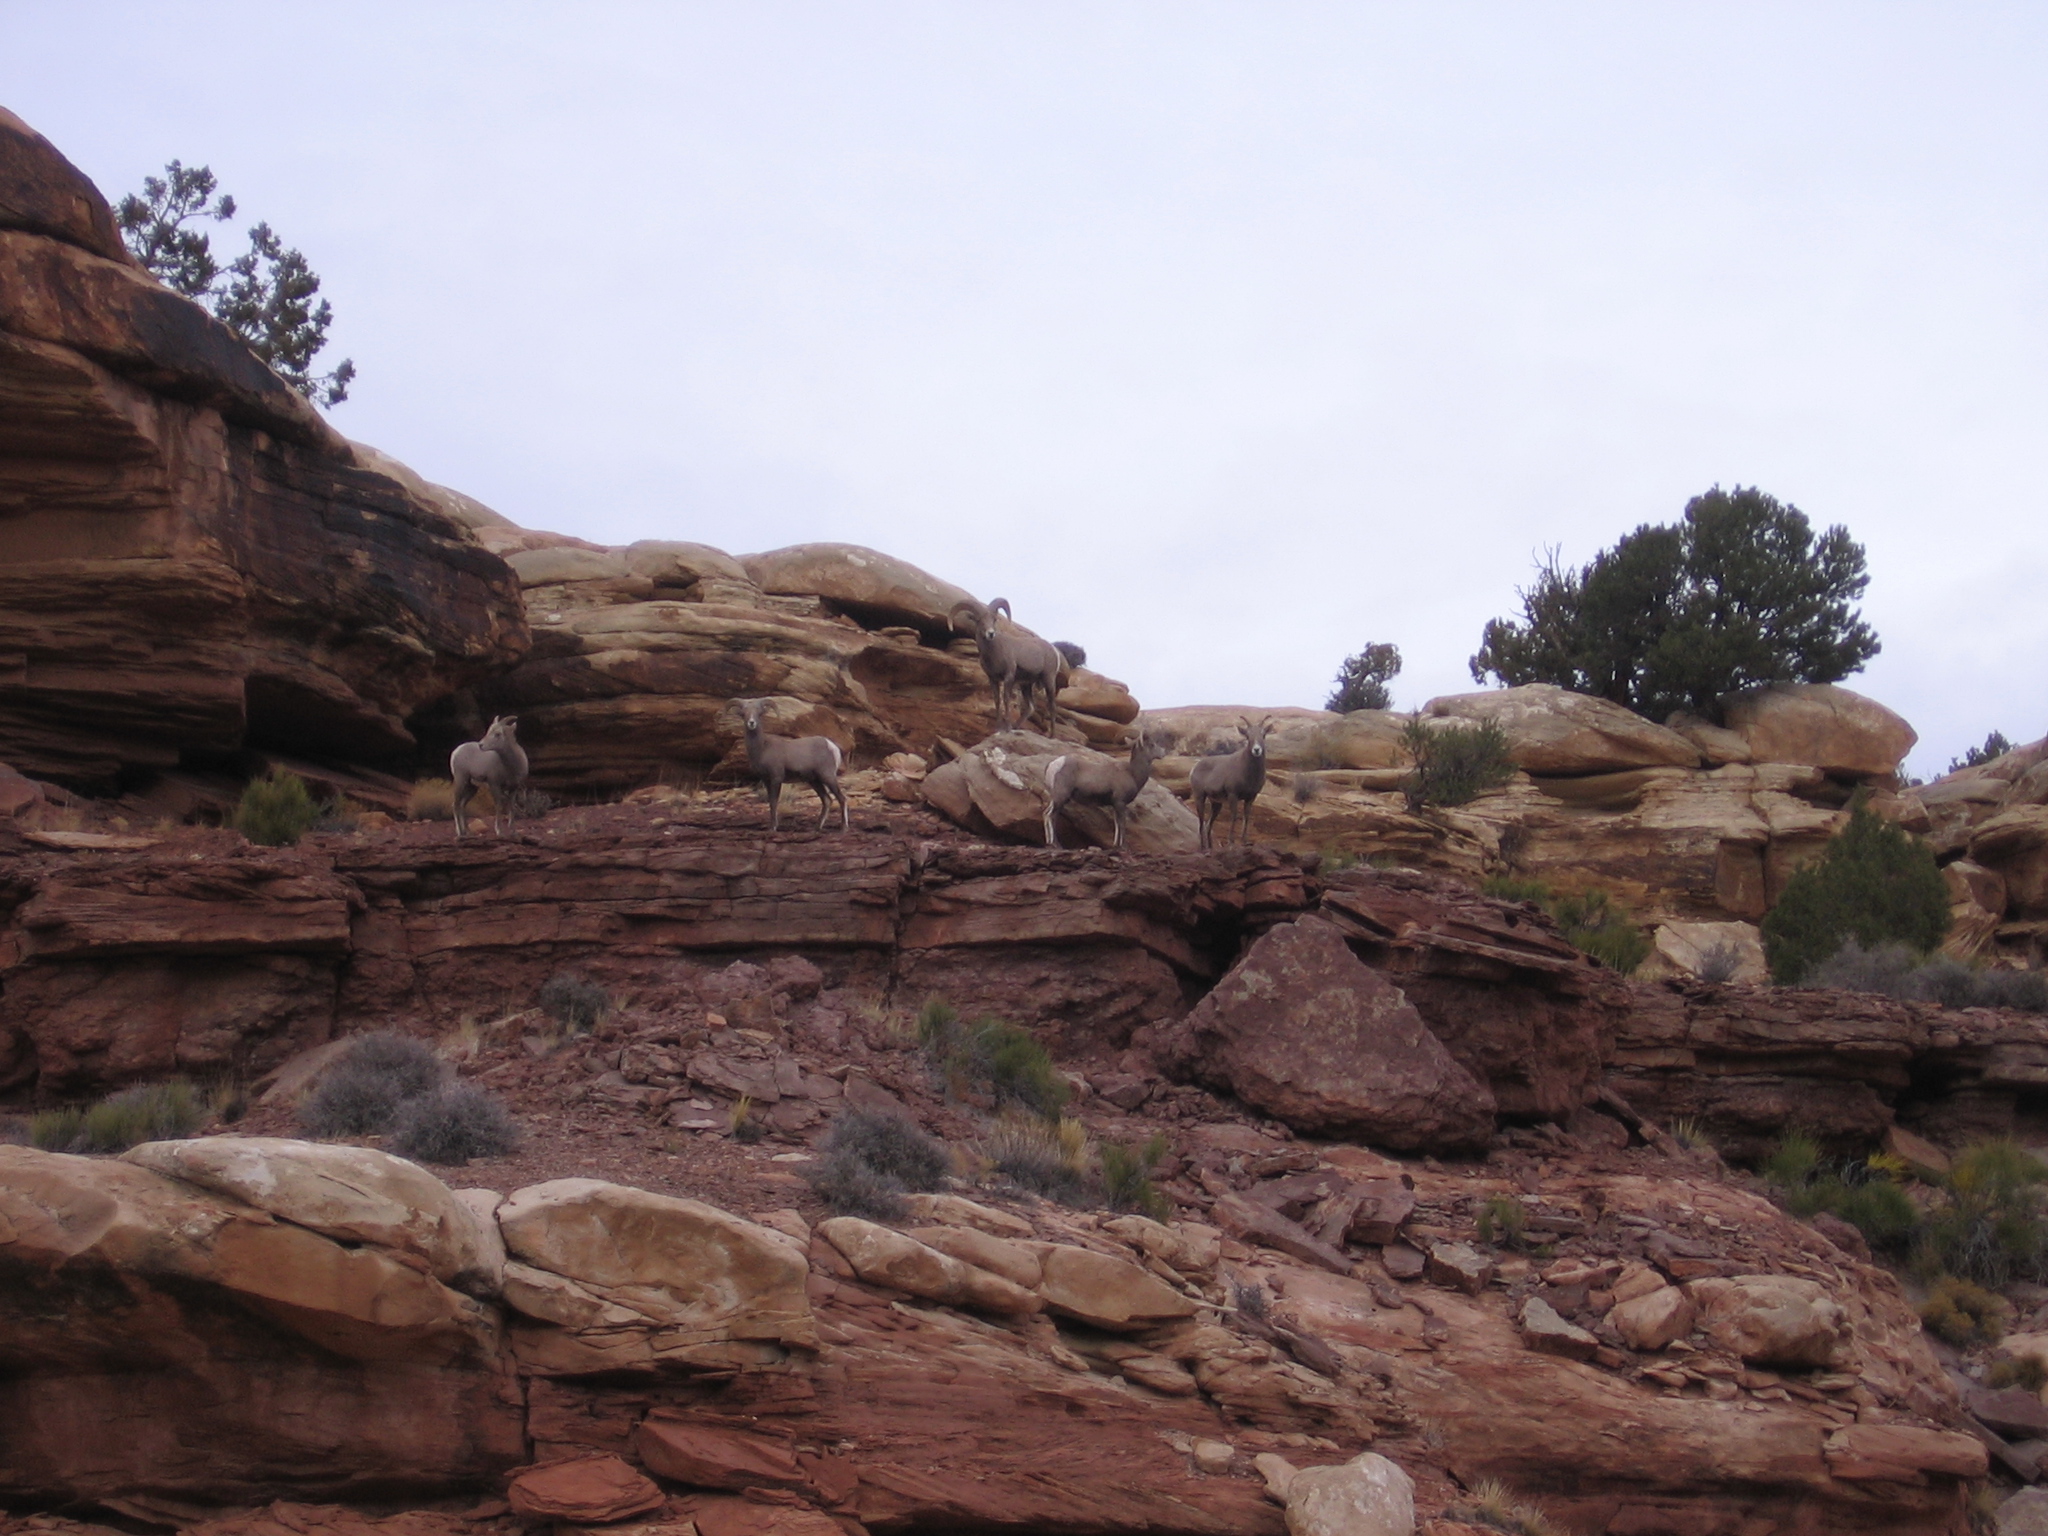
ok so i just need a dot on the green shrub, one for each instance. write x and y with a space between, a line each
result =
1862 1194
1874 884
1965 1314
276 810
1454 764
1592 922
1991 1231
452 1125
994 1057
1127 1178
148 1112
869 1158
2023 1371
1995 746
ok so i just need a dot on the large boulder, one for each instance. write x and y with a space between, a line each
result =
1551 730
1714 951
1365 1496
192 562
1820 725
1305 1031
2014 845
1773 1319
704 1287
354 1194
1104 1291
870 586
999 789
159 1338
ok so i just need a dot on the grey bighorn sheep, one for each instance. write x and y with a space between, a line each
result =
1091 781
1231 781
812 760
1015 661
498 762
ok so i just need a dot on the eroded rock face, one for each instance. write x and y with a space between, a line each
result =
1552 730
353 1194
1773 1319
166 1340
1305 1031
191 561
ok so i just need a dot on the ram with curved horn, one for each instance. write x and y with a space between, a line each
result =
1017 664
1231 782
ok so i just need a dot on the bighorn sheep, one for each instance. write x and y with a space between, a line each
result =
812 760
498 762
1231 781
1091 781
1014 660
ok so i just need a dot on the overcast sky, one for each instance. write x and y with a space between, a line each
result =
1221 338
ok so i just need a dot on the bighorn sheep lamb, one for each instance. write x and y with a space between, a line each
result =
1092 781
1015 661
1231 781
498 762
812 760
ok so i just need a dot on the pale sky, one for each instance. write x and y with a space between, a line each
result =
1221 338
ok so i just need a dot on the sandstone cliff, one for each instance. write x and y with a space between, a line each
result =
193 565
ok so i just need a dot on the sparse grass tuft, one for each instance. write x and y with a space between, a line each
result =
1491 1503
1503 1221
1991 1230
1041 1157
1867 1194
147 1112
1691 1135
1127 1177
431 800
452 1125
1719 964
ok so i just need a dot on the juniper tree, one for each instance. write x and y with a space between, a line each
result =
265 296
1738 593
1362 680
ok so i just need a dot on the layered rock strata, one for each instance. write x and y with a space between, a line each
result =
192 563
169 1346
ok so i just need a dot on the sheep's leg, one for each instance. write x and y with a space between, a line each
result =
824 800
845 810
1117 809
463 790
773 785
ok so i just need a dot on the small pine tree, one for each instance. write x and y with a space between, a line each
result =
1362 680
1874 884
1995 746
266 296
1454 764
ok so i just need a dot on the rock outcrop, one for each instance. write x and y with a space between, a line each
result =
166 1349
1305 1031
193 565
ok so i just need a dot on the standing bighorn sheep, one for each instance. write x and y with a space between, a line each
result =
1231 781
812 760
497 762
1014 660
1091 781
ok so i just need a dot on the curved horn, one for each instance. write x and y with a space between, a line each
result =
1244 723
1001 605
970 608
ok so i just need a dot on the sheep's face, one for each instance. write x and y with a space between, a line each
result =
751 711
